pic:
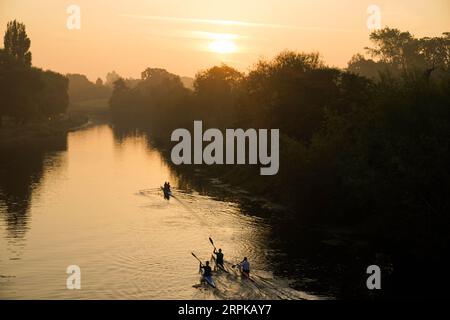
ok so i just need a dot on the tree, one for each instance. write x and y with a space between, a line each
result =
81 89
17 42
436 51
291 93
19 88
368 68
53 98
393 46
111 77
120 86
6 62
27 93
156 75
216 91
398 53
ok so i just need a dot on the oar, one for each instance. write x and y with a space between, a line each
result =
212 242
201 264
215 249
197 258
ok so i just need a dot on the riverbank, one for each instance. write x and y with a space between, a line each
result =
39 134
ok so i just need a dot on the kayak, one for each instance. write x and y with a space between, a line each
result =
218 265
210 281
245 275
167 193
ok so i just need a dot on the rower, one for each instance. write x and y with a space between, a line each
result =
245 265
219 257
206 269
166 187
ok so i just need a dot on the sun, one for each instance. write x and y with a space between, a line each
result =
223 46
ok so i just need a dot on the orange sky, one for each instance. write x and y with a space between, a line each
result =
186 36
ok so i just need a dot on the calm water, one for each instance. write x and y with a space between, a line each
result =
84 205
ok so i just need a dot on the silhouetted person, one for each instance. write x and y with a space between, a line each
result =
219 257
245 267
206 269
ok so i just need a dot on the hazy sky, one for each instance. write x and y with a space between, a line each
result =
186 36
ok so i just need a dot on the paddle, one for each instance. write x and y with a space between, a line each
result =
212 242
197 258
222 267
201 264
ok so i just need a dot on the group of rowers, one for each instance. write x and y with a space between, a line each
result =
166 187
244 265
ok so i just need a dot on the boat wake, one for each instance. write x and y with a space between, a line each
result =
231 285
240 234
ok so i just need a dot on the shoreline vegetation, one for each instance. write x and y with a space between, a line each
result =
39 134
39 107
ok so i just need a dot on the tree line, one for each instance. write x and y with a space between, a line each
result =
364 146
27 93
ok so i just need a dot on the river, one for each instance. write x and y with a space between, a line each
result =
96 203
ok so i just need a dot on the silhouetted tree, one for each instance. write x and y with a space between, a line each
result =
111 77
53 98
27 93
80 88
17 43
216 90
397 53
